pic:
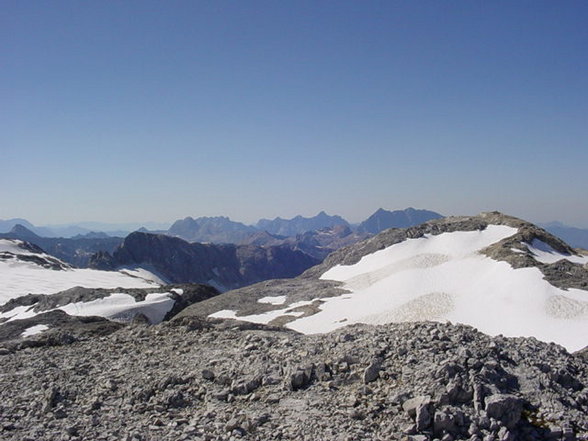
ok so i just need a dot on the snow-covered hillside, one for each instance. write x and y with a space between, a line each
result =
446 277
24 270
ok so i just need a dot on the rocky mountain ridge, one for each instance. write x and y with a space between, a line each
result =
300 224
50 315
316 236
223 266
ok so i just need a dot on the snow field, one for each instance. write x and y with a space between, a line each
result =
445 277
19 278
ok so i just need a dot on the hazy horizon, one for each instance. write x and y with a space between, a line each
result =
131 111
164 224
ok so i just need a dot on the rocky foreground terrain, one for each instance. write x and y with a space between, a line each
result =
204 379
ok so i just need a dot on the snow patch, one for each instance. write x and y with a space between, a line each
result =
275 300
123 307
265 317
20 312
118 307
144 273
34 330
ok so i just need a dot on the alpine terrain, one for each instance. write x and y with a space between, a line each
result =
461 328
497 273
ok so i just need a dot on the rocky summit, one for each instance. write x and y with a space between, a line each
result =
203 379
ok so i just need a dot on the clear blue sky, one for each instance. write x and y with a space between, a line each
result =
139 110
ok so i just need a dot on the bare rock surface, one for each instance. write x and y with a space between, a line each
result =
203 379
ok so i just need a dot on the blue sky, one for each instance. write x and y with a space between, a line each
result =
141 110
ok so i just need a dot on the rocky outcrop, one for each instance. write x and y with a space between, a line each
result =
38 303
196 379
55 328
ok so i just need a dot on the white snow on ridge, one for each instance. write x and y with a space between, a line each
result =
13 246
442 278
118 306
143 273
19 278
544 253
123 307
22 278
265 317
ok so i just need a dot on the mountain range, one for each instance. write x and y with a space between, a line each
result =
218 229
577 237
224 266
221 229
299 224
332 232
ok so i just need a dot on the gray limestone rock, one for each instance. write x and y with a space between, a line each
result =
213 379
505 408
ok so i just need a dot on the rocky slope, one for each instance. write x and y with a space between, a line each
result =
215 380
223 266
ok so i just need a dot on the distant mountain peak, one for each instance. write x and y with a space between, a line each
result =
383 219
22 231
217 229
